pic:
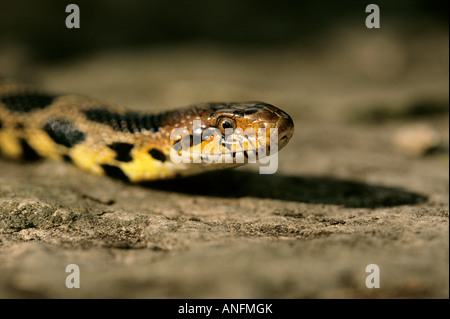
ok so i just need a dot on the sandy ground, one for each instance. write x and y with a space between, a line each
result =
344 196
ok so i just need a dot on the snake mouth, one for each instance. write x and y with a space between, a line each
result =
235 150
227 158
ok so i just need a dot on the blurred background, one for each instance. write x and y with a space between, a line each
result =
370 108
111 24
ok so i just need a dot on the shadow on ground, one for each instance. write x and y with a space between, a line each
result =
305 189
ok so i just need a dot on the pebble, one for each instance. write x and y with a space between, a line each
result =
416 140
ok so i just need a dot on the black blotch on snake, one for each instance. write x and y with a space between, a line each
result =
157 155
127 122
114 172
27 102
122 150
63 132
28 153
67 159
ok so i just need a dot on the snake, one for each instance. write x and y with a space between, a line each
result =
105 139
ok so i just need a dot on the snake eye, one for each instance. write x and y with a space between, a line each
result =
226 123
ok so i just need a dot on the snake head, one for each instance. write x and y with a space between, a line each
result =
260 120
231 134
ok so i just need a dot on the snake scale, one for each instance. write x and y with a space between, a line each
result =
104 139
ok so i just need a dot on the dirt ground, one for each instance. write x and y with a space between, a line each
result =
345 194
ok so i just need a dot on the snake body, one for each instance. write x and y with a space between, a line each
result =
107 140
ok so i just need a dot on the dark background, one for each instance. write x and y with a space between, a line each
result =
110 24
